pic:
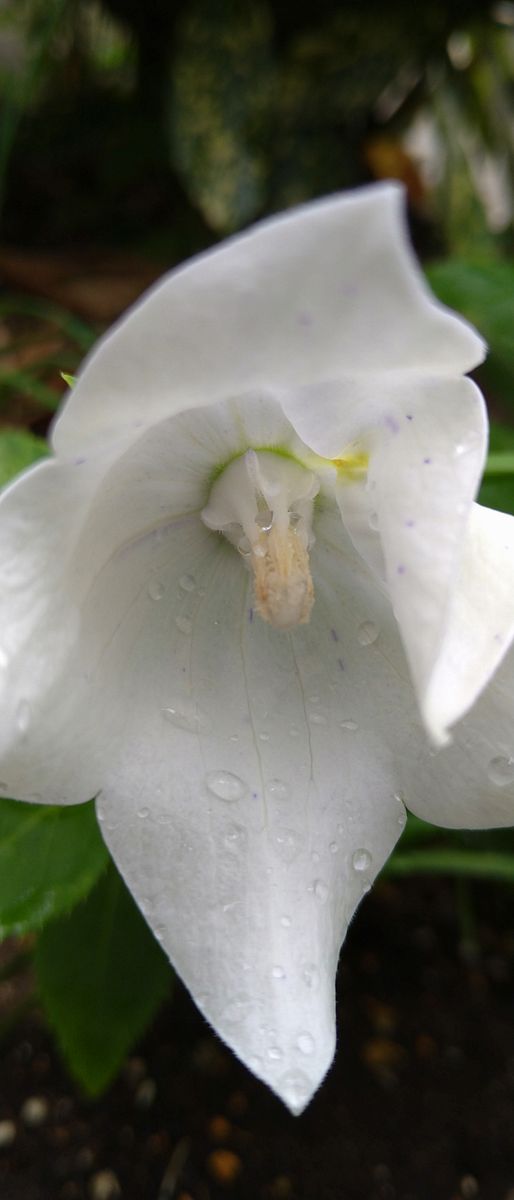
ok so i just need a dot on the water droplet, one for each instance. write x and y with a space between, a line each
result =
333 847
255 1063
244 547
310 976
159 932
305 1043
278 973
143 813
185 714
184 624
321 891
264 737
295 1087
317 718
367 633
287 844
361 860
234 737
264 520
235 837
23 716
285 921
277 790
4 659
313 699
225 785
373 520
155 589
275 1053
238 1009
501 771
187 583
366 887
350 725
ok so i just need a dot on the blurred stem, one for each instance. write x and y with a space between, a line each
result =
471 864
500 464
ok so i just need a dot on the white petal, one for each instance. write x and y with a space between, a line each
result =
62 527
469 783
330 287
426 440
253 803
480 621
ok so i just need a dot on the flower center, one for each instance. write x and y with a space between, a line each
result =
262 502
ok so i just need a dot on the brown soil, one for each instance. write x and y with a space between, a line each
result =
418 1106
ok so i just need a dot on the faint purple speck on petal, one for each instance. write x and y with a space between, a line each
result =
254 795
78 462
391 423
409 524
409 416
400 570
305 319
498 637
340 664
250 615
349 289
334 635
427 461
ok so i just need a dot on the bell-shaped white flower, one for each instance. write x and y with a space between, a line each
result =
249 597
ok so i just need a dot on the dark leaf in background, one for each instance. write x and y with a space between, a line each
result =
220 110
102 977
49 859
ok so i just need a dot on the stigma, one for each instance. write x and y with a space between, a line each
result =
262 502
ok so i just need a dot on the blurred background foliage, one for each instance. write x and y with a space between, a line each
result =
134 133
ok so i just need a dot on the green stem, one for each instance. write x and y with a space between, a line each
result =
500 464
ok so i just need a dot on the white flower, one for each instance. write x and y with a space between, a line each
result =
249 596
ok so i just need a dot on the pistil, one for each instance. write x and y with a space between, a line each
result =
263 504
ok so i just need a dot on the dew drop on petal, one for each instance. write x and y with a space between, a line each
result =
155 589
238 1009
321 891
305 1043
333 847
255 1063
295 1087
278 972
287 844
361 860
4 659
244 547
367 633
349 724
277 790
23 716
235 837
225 785
264 737
275 1053
184 624
185 714
285 921
310 976
501 771
159 932
143 813
317 718
187 583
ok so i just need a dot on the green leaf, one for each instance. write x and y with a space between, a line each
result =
484 293
18 450
222 89
49 859
102 977
69 379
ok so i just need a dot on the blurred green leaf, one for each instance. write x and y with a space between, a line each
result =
49 859
102 977
484 293
497 488
18 450
219 112
456 861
